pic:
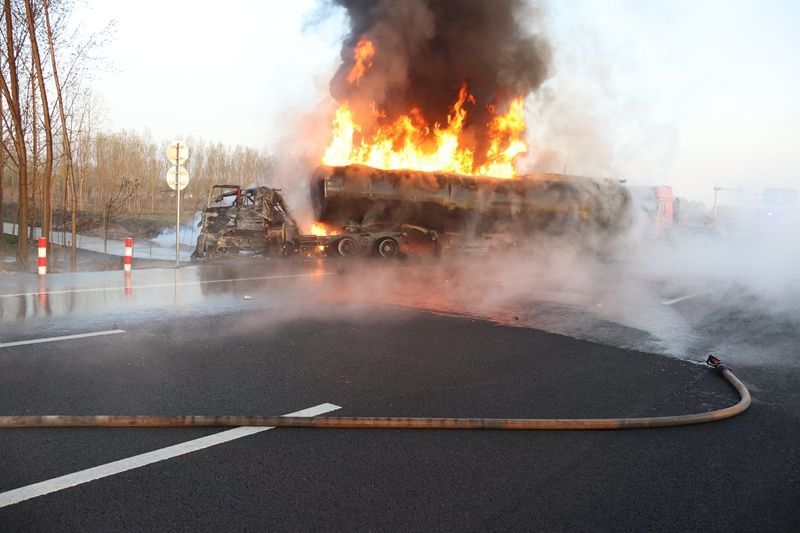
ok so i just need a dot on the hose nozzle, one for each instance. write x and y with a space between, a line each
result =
716 363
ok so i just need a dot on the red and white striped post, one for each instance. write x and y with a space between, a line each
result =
42 255
128 258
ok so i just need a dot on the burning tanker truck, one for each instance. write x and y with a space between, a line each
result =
439 87
391 213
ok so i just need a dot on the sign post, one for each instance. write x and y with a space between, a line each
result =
177 179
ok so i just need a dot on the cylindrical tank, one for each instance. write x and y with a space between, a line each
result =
463 204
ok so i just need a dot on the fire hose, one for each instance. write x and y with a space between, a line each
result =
34 421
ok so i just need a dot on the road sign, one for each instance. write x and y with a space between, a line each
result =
173 152
177 179
179 174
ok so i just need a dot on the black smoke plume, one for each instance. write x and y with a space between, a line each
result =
427 49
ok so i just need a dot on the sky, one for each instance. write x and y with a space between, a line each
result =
221 71
695 94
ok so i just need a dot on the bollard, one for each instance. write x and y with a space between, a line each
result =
42 255
128 284
128 258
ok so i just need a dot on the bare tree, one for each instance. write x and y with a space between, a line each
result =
11 93
47 188
115 203
69 175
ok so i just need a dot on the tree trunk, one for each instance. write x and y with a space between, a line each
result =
2 169
105 230
12 98
34 184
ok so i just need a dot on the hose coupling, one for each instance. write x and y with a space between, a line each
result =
715 363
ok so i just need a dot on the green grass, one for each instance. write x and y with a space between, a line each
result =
8 242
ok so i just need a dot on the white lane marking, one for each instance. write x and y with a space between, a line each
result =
109 469
61 338
687 297
160 285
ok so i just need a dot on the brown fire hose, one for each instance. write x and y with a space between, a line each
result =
33 421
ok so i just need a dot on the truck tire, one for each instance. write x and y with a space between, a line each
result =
387 248
347 247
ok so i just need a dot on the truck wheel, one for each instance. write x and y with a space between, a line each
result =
387 247
347 247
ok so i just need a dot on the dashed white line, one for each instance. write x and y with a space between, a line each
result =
689 296
109 469
61 338
160 285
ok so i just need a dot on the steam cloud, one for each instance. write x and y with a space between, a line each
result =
425 50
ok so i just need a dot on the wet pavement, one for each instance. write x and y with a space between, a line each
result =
399 339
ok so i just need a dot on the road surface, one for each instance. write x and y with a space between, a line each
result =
399 339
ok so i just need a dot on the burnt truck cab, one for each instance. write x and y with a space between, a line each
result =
253 220
257 221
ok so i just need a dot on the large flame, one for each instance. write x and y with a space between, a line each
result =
409 142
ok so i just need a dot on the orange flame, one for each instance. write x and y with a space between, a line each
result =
506 133
408 142
321 230
363 54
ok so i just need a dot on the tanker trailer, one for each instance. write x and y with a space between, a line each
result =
358 198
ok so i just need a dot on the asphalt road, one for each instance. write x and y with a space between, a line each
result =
394 340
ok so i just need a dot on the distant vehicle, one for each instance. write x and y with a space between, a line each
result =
658 204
